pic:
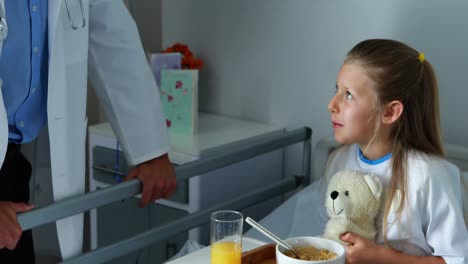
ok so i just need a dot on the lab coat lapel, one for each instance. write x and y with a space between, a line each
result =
70 229
3 128
3 117
54 10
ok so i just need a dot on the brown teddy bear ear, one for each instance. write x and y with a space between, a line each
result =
374 185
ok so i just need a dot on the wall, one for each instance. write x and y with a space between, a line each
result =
276 61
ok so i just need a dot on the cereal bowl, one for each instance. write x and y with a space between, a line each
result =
316 242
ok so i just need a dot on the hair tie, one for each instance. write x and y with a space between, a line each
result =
421 57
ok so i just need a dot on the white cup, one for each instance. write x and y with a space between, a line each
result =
317 242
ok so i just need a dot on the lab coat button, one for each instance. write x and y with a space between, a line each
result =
34 8
36 49
21 123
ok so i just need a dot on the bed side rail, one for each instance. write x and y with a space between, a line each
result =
77 204
190 221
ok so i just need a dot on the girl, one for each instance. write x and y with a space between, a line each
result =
386 113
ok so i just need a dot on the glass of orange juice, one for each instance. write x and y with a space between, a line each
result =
226 237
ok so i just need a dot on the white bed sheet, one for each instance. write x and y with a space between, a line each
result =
298 216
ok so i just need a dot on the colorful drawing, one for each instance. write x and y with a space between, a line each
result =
179 98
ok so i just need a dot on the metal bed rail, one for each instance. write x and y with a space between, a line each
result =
91 200
190 221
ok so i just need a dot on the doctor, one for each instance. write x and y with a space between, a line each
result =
49 49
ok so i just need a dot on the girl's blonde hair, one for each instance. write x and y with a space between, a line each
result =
401 73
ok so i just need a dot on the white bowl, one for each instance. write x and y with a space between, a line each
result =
317 242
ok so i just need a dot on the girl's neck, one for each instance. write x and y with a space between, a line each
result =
375 150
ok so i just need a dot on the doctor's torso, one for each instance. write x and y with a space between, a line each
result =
44 71
60 52
111 56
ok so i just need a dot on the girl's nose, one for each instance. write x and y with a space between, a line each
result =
332 106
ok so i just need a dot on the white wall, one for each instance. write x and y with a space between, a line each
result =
276 61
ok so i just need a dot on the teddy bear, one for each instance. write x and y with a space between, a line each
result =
353 201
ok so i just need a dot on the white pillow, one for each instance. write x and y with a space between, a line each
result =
464 181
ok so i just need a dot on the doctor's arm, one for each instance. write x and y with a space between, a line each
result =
123 82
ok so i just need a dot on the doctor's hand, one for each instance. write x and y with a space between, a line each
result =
158 178
359 249
10 230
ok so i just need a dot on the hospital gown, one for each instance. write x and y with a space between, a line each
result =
432 221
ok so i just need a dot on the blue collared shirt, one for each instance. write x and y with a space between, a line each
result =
24 68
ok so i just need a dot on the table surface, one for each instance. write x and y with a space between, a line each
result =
214 133
202 256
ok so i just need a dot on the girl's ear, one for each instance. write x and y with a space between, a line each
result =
392 113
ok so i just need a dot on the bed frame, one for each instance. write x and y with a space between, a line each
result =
61 209
74 205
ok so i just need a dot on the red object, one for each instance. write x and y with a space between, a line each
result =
188 60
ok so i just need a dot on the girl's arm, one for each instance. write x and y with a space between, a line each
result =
361 250
388 255
440 211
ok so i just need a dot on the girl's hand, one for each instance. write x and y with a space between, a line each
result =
359 249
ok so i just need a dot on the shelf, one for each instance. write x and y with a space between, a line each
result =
215 132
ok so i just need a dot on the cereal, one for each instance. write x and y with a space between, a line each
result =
311 253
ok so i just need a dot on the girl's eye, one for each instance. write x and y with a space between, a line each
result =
349 95
346 193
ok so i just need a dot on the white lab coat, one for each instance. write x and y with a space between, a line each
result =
108 52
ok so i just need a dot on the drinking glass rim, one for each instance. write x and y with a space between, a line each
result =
241 217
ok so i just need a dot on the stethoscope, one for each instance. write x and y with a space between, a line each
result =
72 24
3 27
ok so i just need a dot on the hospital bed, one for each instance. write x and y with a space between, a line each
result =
233 154
293 218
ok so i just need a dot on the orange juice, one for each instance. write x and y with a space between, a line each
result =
226 253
